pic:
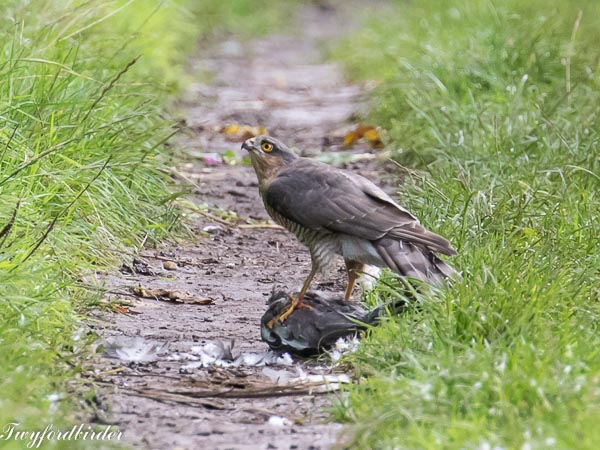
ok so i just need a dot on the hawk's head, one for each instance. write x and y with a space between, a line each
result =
268 154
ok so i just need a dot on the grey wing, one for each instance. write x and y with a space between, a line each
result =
321 197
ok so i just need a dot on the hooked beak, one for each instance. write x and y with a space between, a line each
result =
248 144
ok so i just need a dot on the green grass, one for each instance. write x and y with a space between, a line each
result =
83 170
82 174
492 108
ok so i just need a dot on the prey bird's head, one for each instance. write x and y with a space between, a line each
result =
268 155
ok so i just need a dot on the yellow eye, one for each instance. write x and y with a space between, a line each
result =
267 147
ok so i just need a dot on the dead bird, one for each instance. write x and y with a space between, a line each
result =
309 331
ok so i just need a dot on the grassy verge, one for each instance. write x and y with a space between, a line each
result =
492 107
81 176
83 169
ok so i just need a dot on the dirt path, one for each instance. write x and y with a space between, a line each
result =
279 82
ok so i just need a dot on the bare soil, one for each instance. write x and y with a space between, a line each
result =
280 82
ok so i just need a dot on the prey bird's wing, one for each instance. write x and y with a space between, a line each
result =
321 197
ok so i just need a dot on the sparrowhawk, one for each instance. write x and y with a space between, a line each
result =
336 212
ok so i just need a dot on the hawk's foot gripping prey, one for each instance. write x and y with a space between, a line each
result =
335 212
295 303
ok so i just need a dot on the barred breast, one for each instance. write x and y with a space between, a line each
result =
323 246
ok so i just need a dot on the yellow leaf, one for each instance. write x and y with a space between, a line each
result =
362 129
371 135
231 130
240 133
350 139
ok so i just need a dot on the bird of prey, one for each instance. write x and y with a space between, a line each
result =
336 212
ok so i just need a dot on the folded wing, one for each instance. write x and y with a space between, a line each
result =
321 197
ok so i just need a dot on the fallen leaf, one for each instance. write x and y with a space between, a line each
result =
371 135
166 295
367 132
350 139
204 301
124 310
239 133
362 129
231 130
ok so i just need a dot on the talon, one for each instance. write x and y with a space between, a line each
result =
290 309
286 312
296 303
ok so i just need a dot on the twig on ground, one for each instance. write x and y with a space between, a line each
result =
273 226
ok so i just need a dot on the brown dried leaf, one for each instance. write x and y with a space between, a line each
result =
123 309
170 296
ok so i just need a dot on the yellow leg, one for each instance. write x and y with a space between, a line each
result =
296 302
351 281
354 268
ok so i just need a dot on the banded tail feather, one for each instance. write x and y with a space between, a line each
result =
414 261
